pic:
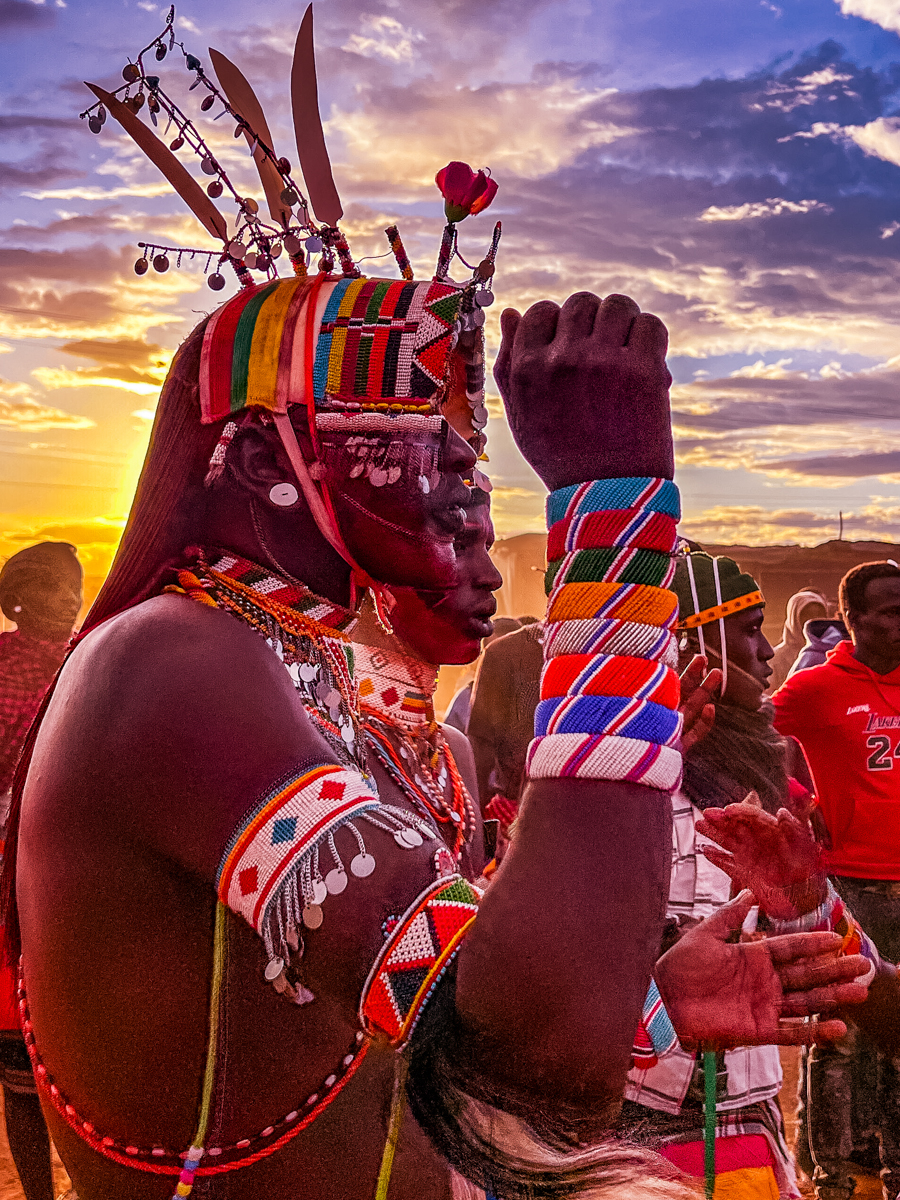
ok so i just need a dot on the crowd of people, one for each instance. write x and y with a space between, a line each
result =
273 930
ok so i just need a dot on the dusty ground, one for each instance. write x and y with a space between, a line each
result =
9 1180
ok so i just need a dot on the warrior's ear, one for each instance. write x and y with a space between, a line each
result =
257 459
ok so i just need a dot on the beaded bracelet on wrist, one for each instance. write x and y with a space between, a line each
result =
609 694
834 916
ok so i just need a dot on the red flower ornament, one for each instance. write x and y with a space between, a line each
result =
465 192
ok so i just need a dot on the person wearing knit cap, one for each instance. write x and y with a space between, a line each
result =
720 616
40 590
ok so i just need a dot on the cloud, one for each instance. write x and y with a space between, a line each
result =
130 364
840 466
885 13
767 208
21 409
383 37
754 525
21 16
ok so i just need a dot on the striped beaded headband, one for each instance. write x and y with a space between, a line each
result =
726 609
376 346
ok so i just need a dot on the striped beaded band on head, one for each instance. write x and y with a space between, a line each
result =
378 345
726 609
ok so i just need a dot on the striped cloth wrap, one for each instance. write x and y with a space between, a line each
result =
609 697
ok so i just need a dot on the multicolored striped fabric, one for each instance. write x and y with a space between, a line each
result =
377 345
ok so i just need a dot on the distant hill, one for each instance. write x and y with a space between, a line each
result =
779 570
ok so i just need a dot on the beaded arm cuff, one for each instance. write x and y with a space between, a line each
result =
419 948
834 915
609 691
266 873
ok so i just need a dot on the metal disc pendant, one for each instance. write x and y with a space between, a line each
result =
313 916
319 891
484 299
363 865
408 838
378 477
274 967
336 881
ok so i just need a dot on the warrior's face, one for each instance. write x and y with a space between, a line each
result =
448 627
400 501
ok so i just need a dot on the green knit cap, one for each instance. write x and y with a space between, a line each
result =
737 589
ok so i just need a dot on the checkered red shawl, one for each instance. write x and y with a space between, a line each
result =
27 667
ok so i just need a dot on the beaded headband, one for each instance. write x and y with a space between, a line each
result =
378 345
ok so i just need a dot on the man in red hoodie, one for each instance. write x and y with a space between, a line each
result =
846 715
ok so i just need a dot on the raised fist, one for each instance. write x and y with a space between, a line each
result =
586 389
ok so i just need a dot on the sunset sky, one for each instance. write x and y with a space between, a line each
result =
734 165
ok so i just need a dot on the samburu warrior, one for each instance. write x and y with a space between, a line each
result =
240 947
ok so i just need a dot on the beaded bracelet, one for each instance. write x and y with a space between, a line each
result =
609 698
833 915
655 1034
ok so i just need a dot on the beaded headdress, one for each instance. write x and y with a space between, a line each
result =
366 345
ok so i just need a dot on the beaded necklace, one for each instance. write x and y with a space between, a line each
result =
305 632
396 693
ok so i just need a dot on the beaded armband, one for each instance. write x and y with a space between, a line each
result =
609 691
419 948
655 1034
833 915
269 872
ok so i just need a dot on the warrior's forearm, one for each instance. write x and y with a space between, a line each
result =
575 915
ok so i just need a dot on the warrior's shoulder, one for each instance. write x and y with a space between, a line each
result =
170 649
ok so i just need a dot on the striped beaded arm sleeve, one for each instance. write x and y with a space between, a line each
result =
609 690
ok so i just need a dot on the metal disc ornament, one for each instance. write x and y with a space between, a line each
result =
484 299
363 865
160 263
176 144
208 102
208 166
313 244
237 249
94 124
250 261
130 73
313 916
289 197
292 244
216 282
141 266
319 891
214 189
336 882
